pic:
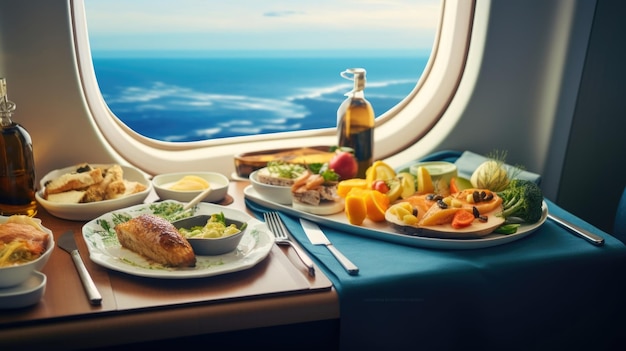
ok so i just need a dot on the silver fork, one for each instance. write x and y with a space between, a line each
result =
276 225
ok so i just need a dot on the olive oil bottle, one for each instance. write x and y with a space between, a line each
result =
17 169
355 121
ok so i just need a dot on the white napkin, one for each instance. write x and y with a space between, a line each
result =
469 161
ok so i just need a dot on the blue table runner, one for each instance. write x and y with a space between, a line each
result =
550 290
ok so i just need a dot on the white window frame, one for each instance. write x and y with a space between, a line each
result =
395 130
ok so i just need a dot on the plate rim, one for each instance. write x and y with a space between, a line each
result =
401 238
260 251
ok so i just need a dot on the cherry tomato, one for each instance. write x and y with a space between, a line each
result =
381 186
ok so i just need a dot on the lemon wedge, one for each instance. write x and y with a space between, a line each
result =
424 181
379 170
407 183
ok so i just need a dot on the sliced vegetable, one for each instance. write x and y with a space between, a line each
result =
458 184
462 219
507 228
453 187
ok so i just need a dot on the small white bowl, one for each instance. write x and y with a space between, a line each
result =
29 292
217 181
274 193
211 246
91 210
14 275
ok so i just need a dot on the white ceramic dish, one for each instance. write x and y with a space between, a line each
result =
279 194
105 249
384 231
217 181
15 275
25 294
88 211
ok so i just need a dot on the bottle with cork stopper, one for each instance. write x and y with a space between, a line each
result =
355 121
17 166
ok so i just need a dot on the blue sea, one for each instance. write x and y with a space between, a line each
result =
190 99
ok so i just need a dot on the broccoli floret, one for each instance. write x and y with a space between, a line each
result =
522 199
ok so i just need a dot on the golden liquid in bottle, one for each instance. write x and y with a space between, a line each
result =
17 173
356 130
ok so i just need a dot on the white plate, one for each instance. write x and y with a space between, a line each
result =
105 249
385 231
89 211
25 294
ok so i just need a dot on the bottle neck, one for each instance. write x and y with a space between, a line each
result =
5 120
6 107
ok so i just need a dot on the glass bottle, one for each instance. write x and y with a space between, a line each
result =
17 169
355 121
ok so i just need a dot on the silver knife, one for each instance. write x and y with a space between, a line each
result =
317 237
585 234
67 243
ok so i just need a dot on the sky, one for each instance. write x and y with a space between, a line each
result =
261 24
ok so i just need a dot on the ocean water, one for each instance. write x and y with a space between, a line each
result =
189 99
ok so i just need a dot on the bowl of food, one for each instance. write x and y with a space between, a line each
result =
25 247
274 182
212 234
86 191
184 186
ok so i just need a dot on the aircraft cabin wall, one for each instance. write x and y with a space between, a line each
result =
521 91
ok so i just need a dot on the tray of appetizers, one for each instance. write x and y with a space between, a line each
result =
392 232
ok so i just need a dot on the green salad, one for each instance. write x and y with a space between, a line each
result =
215 227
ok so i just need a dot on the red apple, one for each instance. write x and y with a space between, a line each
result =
344 163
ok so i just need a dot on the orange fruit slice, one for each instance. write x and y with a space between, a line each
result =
344 186
355 207
376 204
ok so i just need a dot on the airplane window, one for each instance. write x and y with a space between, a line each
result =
189 70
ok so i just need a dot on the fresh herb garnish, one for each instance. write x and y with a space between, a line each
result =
322 169
285 170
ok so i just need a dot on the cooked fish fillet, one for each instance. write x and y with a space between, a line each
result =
157 239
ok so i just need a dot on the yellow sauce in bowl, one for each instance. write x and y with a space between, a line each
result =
190 183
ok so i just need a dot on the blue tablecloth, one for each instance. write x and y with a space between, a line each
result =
550 290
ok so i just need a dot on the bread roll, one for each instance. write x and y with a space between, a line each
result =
67 197
157 239
98 191
75 180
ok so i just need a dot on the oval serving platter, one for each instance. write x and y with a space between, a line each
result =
385 231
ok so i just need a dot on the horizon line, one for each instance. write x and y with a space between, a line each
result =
251 53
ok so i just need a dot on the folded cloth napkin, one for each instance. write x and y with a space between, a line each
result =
466 162
469 161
